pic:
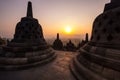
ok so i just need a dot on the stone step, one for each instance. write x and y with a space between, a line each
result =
27 66
85 72
24 60
104 61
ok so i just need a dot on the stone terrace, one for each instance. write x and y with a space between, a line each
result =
56 70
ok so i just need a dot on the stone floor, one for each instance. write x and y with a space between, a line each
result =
56 70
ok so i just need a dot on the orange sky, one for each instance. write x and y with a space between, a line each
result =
53 15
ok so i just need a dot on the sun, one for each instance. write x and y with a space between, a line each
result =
68 29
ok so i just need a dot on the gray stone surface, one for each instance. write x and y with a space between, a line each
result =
56 70
99 59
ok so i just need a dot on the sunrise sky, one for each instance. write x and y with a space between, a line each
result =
54 16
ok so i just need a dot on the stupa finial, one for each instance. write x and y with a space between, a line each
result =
57 35
29 9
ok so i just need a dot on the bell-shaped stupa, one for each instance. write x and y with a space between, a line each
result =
99 59
70 46
28 47
57 44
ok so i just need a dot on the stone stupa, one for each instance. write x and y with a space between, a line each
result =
70 46
57 44
83 42
28 47
2 41
99 59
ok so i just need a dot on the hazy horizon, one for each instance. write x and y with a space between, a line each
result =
53 15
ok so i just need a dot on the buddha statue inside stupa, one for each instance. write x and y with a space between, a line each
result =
99 59
28 47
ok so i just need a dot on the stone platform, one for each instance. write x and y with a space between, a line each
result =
56 70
